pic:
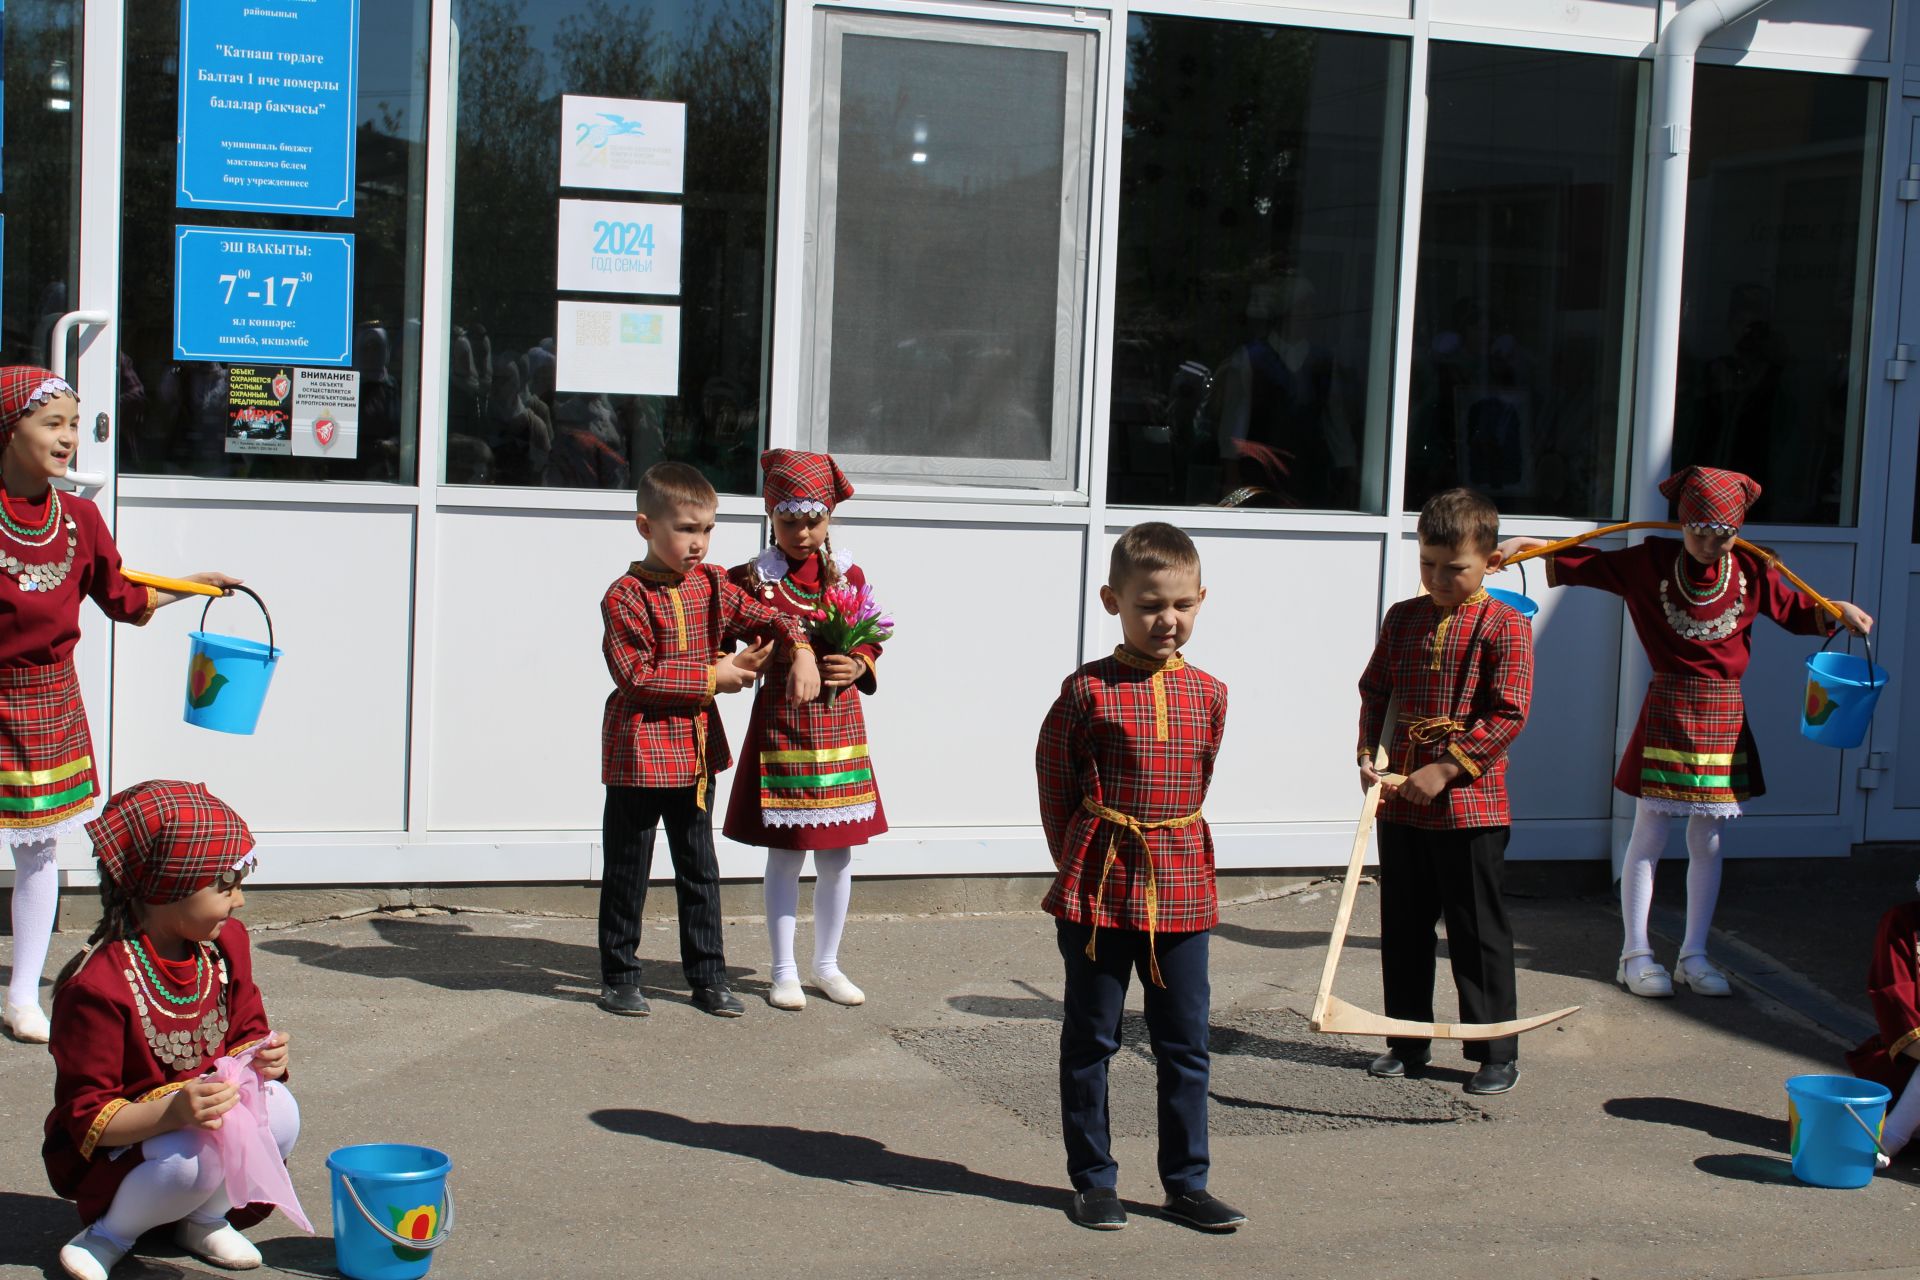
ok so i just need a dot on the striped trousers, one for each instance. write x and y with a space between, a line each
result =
627 833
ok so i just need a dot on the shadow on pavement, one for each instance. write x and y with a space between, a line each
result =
1287 939
1747 1166
834 1157
1723 1123
32 1229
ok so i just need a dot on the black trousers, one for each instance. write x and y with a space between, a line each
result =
1428 875
1090 1036
627 833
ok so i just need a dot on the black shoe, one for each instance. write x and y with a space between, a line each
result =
1205 1211
1494 1077
1391 1066
624 999
1099 1209
718 1001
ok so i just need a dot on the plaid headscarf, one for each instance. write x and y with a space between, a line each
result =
1708 496
23 386
163 841
805 483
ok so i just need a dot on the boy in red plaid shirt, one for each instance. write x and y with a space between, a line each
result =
1457 668
1125 758
671 622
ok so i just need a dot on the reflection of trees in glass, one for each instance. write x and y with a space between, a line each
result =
41 171
720 60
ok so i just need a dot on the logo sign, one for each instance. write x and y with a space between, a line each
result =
622 144
323 430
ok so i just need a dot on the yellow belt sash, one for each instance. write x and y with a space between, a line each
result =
1138 830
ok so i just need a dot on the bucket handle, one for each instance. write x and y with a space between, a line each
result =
255 597
422 1246
1865 1128
1868 640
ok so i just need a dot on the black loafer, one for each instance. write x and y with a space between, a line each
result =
1099 1209
624 999
1494 1077
1391 1066
718 1001
1204 1210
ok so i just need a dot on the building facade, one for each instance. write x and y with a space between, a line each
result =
1033 272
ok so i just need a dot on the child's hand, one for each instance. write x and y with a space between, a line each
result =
1854 618
737 671
1369 776
1424 785
838 670
201 1103
1513 546
270 1059
803 680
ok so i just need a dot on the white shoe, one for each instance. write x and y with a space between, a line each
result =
787 995
89 1256
218 1243
26 1023
837 989
1698 974
1651 981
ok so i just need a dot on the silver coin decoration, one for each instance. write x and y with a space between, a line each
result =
1706 630
41 577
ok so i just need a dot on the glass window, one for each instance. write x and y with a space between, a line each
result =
1780 216
521 411
950 273
42 86
1259 221
1522 383
186 417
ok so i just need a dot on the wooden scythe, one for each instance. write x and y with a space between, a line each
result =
1335 1016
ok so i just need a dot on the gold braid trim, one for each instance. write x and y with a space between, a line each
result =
99 1126
1138 830
1899 1046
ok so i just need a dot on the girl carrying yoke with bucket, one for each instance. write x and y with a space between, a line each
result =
1693 605
55 552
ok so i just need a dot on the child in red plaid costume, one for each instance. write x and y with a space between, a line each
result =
55 554
1125 758
1693 605
1456 667
671 622
164 988
807 781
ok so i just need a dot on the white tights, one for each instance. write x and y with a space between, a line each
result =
832 890
180 1176
1650 831
36 899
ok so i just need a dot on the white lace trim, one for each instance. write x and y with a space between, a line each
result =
65 829
801 507
847 813
771 565
1689 808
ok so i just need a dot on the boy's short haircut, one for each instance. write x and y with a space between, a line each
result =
1149 548
1460 518
667 485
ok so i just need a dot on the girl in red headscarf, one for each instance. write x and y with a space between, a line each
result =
55 552
1693 756
806 780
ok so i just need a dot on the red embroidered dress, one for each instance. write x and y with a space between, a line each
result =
806 779
1124 762
1464 679
1692 750
64 557
105 1059
664 634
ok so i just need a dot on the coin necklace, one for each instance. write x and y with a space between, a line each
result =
1706 630
1701 599
31 537
182 1050
38 577
140 949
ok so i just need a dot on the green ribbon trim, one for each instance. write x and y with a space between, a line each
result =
35 804
817 779
1706 782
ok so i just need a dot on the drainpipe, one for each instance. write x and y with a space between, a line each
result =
1663 258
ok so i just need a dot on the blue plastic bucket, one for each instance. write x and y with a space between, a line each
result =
1519 601
391 1209
1841 693
1833 1125
227 677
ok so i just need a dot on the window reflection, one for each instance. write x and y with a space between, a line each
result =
1258 222
41 43
1520 320
1778 271
507 423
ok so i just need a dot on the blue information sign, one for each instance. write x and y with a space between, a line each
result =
255 297
268 105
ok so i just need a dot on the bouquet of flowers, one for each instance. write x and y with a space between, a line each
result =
847 618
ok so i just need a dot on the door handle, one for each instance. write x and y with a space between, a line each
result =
57 361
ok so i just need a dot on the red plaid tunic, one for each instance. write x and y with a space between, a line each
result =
1692 749
1464 677
1138 738
664 635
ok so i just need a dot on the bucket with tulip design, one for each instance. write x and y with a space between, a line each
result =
1841 693
227 676
391 1209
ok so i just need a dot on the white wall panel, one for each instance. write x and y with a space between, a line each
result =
330 753
518 681
1601 19
1802 776
1850 29
989 625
